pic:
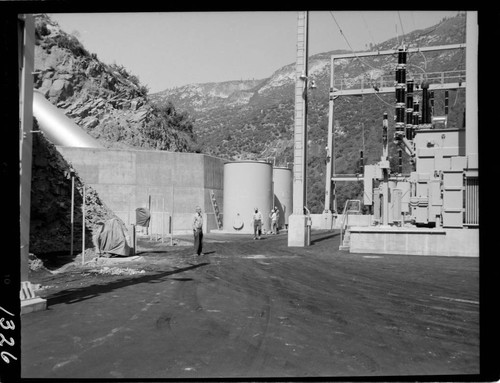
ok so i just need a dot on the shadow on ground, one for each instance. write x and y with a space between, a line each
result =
88 292
323 238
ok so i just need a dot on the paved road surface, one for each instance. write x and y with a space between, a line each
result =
261 309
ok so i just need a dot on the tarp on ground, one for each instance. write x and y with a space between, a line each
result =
111 239
142 216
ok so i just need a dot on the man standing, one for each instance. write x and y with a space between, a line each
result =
257 223
272 215
198 231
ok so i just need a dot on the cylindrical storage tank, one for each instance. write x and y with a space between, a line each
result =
247 185
283 194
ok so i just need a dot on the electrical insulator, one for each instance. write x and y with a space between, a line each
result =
409 101
431 100
401 74
416 106
400 93
400 161
409 131
446 102
402 56
409 86
409 116
400 113
361 162
425 103
385 124
416 113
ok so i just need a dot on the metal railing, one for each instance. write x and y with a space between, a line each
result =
385 81
345 215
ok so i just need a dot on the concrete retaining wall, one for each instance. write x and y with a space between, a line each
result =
321 221
435 242
170 183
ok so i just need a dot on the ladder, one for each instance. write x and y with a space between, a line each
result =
216 210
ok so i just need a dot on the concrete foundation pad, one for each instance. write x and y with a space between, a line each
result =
32 305
415 241
297 230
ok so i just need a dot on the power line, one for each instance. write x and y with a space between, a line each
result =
400 22
368 29
349 45
413 20
385 102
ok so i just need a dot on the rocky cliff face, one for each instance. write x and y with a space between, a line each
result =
105 100
203 97
50 217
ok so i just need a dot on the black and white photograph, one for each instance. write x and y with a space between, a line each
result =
250 195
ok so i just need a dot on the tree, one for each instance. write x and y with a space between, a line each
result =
169 130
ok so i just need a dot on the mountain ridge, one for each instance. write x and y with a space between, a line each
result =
260 125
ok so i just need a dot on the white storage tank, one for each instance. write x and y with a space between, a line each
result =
283 194
247 184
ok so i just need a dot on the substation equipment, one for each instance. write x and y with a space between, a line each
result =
431 195
441 193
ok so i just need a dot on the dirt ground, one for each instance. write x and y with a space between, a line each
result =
52 274
254 309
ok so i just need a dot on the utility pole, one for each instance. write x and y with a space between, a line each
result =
471 107
298 220
329 186
26 33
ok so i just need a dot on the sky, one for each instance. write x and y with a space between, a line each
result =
172 49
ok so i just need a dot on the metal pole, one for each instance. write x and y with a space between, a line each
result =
172 219
83 226
330 154
471 95
133 242
300 118
162 225
162 219
72 209
150 217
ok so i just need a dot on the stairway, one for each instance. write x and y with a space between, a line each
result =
216 210
346 241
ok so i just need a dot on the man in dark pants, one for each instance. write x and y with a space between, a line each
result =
198 231
257 223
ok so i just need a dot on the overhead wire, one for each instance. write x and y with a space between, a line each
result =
362 61
348 44
413 20
401 23
368 29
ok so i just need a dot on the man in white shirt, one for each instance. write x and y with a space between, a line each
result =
198 231
274 220
257 223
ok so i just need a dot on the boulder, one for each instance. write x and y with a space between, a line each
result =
60 90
